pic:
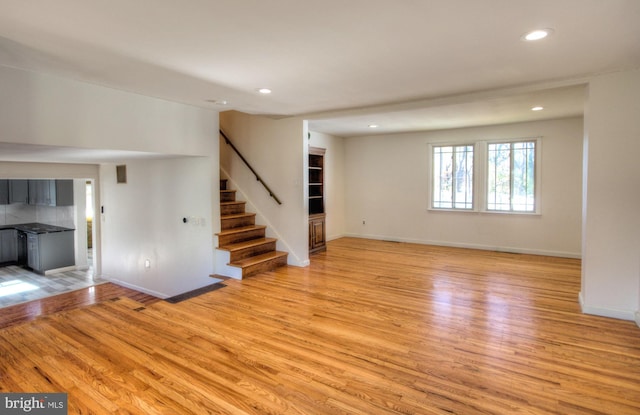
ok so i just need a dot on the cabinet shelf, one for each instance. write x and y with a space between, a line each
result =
316 200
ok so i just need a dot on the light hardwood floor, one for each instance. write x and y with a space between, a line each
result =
370 327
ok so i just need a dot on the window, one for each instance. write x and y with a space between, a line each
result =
452 177
511 174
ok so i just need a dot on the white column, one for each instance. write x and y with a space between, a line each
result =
611 199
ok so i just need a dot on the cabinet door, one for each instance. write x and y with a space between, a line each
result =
50 192
56 250
33 252
18 191
4 192
64 192
8 245
316 234
35 192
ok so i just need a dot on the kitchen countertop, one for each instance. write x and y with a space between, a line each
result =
36 228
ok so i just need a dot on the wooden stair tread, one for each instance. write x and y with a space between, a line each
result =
247 244
247 262
237 215
248 248
240 229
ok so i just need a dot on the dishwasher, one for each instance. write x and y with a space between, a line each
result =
22 248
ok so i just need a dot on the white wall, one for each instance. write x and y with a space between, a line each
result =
46 110
387 187
611 249
334 179
277 150
42 109
143 220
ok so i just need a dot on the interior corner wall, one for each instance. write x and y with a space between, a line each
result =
146 244
387 185
277 150
611 248
333 182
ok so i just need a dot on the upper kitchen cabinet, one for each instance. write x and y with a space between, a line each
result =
39 192
19 191
4 191
14 191
64 192
51 192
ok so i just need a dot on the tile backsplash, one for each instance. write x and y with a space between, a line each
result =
51 215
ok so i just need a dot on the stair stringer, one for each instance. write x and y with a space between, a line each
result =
261 219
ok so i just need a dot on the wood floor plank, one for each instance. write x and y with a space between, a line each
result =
21 313
371 327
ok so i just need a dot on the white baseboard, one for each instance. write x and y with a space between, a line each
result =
135 287
508 249
63 269
608 312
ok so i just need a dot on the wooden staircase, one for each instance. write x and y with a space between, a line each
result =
249 249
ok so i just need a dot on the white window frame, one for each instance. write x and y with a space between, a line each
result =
537 184
480 176
431 149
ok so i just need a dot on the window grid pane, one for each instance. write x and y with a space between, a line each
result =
453 177
511 176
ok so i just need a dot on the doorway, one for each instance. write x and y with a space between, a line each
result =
89 216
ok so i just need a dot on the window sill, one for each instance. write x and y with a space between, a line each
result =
489 212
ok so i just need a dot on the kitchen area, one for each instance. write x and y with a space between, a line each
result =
45 238
37 229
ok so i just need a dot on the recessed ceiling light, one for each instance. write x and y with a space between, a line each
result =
373 125
538 34
537 108
264 90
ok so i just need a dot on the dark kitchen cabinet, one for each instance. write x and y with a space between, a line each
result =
39 190
46 251
64 192
46 192
19 191
4 192
8 245
33 251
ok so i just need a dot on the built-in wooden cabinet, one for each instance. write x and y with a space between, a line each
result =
316 234
317 214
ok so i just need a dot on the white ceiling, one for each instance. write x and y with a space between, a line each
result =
402 64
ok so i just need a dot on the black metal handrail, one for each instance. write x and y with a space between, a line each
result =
258 178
